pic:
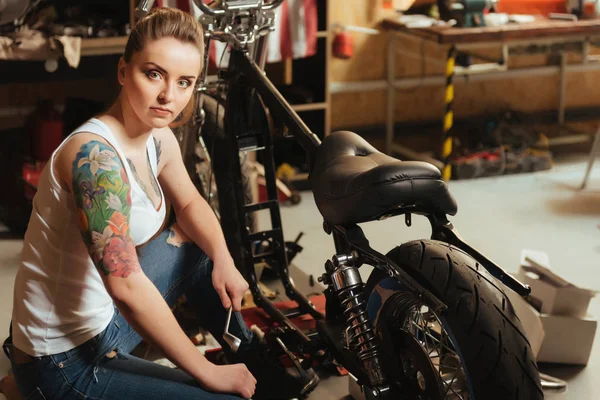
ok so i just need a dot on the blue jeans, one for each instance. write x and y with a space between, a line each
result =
93 370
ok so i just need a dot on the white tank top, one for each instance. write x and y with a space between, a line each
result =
60 300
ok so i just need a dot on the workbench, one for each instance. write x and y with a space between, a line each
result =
539 36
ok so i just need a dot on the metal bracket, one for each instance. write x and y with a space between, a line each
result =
443 230
355 237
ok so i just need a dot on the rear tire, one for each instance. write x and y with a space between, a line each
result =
487 333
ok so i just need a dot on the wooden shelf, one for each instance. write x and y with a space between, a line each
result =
309 107
103 46
116 45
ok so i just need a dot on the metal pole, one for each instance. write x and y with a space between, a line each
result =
593 155
391 71
466 76
562 89
449 115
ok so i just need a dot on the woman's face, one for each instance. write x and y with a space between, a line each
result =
159 80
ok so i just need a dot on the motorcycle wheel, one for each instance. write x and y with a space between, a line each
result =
476 349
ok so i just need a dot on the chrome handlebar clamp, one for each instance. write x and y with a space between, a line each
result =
240 23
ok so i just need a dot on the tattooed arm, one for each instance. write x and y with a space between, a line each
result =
93 172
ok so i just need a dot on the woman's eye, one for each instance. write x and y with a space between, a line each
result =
184 84
153 75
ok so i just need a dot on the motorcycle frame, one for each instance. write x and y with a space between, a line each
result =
247 84
442 230
245 79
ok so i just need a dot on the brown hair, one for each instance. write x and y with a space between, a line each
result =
167 22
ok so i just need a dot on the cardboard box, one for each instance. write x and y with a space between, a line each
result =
530 319
555 295
567 340
555 338
561 309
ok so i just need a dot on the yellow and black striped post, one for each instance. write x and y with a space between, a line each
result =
448 116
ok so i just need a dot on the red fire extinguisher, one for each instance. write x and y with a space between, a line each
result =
343 44
343 41
45 130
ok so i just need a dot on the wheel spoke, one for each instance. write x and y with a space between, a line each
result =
457 394
451 382
420 317
428 334
439 348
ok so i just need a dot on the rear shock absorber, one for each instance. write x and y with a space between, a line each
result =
360 337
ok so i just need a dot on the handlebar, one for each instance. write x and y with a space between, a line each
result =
222 22
220 11
143 8
207 10
273 4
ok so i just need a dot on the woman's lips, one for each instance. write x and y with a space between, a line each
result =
161 111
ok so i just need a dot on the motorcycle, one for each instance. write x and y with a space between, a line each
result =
433 320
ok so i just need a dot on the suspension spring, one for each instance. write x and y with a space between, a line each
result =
361 336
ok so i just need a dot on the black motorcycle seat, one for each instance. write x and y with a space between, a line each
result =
353 182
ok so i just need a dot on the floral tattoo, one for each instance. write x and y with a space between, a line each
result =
103 197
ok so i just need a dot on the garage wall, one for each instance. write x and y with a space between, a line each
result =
528 94
23 84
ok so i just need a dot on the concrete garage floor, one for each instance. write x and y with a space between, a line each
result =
499 216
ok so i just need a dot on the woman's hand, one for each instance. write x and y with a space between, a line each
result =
233 378
229 283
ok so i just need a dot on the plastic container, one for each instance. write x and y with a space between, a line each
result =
532 7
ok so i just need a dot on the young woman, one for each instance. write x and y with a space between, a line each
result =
86 292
